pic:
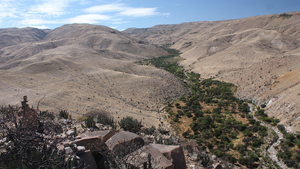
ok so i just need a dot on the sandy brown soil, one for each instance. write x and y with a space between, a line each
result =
79 68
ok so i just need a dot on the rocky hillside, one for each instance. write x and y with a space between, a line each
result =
83 67
15 36
260 55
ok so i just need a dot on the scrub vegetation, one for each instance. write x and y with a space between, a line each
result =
219 121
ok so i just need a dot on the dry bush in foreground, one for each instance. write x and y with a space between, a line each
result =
24 145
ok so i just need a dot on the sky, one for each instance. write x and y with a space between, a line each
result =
123 14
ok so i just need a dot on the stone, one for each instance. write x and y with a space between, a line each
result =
105 135
141 156
68 150
49 126
218 166
194 157
172 153
87 160
70 132
214 157
80 150
124 143
60 147
94 140
90 142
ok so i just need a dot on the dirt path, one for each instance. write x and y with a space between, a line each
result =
272 151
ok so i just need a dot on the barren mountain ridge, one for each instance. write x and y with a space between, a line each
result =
83 67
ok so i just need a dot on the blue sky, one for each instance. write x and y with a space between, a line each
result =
122 14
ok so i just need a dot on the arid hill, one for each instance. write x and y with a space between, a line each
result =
260 55
82 67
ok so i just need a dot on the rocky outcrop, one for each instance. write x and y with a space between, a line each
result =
94 140
104 135
148 157
128 148
172 153
124 143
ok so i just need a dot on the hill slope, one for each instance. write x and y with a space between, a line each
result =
84 67
259 54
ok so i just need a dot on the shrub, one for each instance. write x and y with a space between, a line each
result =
187 133
102 117
182 99
81 118
162 130
130 124
175 119
218 153
232 160
27 145
188 114
63 114
285 15
180 113
247 133
89 122
209 145
47 115
150 130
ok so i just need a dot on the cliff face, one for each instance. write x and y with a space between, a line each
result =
82 67
260 55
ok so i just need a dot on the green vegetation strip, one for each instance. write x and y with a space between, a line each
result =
220 122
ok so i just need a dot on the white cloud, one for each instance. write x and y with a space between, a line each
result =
50 8
45 12
30 22
106 8
8 9
89 18
39 27
120 22
139 12
121 9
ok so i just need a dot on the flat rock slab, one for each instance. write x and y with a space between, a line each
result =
94 140
105 134
124 143
147 153
173 153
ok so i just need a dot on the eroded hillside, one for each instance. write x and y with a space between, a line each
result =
84 67
259 54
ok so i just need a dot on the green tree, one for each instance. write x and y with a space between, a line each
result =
130 124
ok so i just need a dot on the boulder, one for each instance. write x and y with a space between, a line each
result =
172 153
80 150
90 142
141 158
124 143
105 135
69 150
218 166
70 132
214 157
94 140
60 147
87 160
